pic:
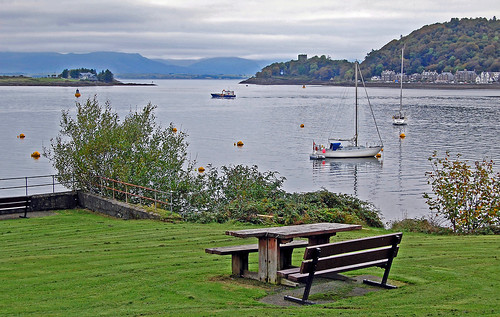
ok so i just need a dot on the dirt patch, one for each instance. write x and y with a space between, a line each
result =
324 290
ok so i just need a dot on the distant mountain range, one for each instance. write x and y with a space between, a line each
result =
126 65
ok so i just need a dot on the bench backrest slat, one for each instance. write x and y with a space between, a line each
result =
342 260
354 245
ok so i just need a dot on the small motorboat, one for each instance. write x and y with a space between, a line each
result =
226 94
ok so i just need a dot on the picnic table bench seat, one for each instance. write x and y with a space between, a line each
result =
334 258
239 254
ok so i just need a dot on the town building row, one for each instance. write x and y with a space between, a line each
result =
461 76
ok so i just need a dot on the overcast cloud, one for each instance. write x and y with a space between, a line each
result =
273 29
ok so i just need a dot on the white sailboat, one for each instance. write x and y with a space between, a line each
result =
348 148
400 118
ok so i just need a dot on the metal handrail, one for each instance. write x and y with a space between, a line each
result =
100 184
128 193
26 185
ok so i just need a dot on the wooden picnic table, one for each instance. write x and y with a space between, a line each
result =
270 259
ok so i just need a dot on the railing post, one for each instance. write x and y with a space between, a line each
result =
126 194
112 182
155 200
171 202
26 179
53 184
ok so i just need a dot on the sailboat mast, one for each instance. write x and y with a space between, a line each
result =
401 83
356 68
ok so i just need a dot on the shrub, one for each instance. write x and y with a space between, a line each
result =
469 198
419 225
135 150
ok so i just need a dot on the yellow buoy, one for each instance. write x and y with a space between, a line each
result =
240 143
77 93
303 86
402 135
201 169
21 136
302 125
174 130
378 155
35 155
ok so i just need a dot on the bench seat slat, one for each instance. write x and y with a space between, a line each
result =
284 273
300 276
248 248
21 204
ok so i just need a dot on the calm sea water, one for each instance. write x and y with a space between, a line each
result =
267 119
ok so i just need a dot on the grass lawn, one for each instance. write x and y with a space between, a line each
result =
78 263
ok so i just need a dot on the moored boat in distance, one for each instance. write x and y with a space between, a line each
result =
348 148
226 94
400 118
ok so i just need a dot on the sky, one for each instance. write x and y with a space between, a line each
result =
253 29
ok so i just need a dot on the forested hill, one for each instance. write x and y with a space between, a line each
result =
471 44
460 44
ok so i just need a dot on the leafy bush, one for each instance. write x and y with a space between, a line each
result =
469 198
136 150
419 225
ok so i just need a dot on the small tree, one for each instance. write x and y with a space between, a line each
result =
105 76
137 150
469 198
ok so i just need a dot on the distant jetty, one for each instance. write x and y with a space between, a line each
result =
302 82
59 82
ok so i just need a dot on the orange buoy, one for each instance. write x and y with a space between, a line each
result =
302 125
402 135
378 155
35 155
21 136
201 169
240 143
77 93
174 130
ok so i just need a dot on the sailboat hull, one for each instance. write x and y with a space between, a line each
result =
399 121
348 152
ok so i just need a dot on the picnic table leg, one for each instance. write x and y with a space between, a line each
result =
285 258
262 259
269 259
320 239
239 263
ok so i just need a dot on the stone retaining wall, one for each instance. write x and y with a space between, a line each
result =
112 207
67 200
75 199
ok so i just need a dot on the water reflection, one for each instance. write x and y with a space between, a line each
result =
348 173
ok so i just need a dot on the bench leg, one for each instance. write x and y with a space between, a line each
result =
25 213
307 289
239 263
385 277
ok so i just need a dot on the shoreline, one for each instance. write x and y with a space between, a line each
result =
255 81
52 82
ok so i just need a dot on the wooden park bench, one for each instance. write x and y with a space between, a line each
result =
239 255
334 258
9 205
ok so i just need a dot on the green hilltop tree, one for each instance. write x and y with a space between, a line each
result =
459 44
